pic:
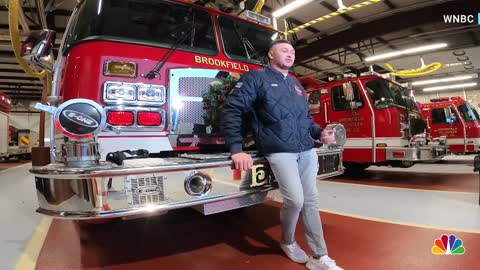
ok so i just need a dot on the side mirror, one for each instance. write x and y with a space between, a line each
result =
348 91
37 47
314 102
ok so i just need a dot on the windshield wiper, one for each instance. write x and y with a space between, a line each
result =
247 44
158 66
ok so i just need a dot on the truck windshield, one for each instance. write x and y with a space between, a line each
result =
146 22
244 41
467 112
385 94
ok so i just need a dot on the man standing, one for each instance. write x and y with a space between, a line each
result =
285 133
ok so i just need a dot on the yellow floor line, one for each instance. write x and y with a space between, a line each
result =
401 188
28 260
399 223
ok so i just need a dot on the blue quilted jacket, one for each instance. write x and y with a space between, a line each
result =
280 115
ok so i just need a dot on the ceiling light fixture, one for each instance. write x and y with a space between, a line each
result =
458 64
407 51
447 87
290 7
449 79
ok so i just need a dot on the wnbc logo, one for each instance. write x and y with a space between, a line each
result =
462 18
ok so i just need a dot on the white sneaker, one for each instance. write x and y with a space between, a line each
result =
323 263
295 253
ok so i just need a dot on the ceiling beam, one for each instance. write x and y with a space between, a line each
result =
17 74
293 20
10 66
331 8
311 67
389 4
23 84
14 92
20 81
4 87
394 22
27 97
474 38
58 12
8 60
34 27
61 12
386 43
6 54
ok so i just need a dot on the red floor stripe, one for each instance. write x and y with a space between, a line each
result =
245 239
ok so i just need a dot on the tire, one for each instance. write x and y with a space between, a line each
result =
351 167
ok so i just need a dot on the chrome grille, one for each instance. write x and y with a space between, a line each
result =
194 87
145 190
328 163
193 114
186 88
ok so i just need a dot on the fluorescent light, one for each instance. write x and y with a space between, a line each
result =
407 51
446 87
99 7
457 64
449 79
290 7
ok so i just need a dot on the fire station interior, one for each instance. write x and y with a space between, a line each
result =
382 211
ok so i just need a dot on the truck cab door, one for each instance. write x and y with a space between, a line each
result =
446 121
346 104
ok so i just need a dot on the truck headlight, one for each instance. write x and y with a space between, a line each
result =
117 91
151 93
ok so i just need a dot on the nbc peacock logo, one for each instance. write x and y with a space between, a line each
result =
448 245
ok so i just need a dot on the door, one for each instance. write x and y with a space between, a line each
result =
445 121
347 105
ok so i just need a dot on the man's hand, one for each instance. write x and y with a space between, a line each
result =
327 136
242 161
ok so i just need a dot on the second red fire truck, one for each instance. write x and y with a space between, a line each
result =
383 123
456 119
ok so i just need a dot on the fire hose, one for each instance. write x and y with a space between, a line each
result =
417 72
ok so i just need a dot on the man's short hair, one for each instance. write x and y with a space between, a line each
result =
279 41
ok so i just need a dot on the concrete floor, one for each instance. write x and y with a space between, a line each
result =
429 198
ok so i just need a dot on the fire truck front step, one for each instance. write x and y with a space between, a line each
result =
231 204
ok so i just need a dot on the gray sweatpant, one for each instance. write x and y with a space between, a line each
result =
296 176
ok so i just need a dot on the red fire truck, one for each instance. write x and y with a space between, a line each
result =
383 124
456 119
141 84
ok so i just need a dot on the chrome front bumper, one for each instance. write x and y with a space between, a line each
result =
422 153
145 186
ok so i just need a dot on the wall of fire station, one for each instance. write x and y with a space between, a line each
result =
472 95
